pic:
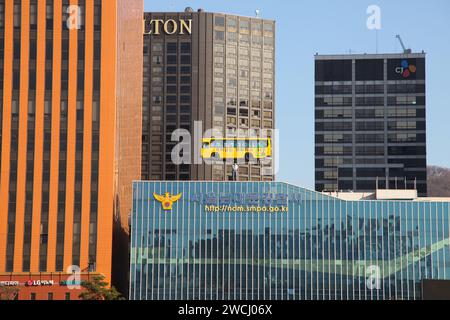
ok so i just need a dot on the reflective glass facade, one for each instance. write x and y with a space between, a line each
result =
217 242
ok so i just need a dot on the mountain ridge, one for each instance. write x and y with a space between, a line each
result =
438 181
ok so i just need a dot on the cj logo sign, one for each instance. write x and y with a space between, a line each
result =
406 69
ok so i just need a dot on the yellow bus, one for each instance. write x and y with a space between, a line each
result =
236 148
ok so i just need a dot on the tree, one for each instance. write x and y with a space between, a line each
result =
8 293
97 289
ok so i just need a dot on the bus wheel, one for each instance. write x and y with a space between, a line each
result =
248 158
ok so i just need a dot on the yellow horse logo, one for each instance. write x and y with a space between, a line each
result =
167 200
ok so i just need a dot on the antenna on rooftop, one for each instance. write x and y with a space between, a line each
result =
257 13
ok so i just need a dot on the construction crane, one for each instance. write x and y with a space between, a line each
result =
405 51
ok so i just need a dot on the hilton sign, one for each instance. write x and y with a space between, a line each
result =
169 27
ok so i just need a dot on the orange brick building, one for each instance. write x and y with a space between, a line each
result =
71 99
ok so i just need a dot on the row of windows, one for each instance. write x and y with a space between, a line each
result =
334 101
171 80
171 48
371 150
376 172
49 15
348 150
370 125
368 69
370 89
171 59
243 39
158 71
244 24
336 113
339 161
50 296
371 184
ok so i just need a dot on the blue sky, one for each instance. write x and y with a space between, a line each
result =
333 27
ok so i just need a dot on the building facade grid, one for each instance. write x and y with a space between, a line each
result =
322 248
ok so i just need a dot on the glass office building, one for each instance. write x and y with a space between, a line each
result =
268 240
370 122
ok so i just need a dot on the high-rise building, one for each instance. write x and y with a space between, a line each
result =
215 68
370 129
275 241
70 95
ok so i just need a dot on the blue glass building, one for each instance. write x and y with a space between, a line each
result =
257 240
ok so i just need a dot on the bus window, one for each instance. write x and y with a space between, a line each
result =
217 144
229 144
205 145
263 143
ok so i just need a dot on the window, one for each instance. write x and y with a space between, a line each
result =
171 80
170 70
33 296
157 47
244 26
172 59
219 35
369 69
67 295
185 79
50 296
219 21
232 36
268 29
185 59
17 16
157 59
185 70
232 24
2 15
256 27
33 16
186 47
172 47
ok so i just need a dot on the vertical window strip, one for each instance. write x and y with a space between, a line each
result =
43 247
26 254
63 141
2 76
79 141
95 137
14 140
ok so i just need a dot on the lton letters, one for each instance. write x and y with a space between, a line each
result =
169 26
